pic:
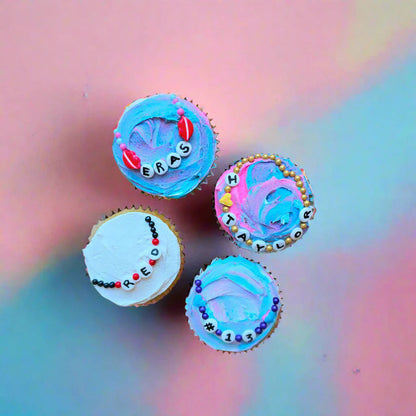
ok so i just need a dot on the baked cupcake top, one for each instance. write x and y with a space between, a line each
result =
133 257
264 202
234 304
164 145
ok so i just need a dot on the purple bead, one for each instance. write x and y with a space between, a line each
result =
274 308
198 289
205 316
276 301
202 309
258 330
218 332
238 338
263 325
198 282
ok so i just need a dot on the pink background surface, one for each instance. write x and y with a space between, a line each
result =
329 83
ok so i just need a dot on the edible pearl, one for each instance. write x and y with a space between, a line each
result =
302 190
227 189
292 174
278 162
304 197
299 184
234 228
306 203
257 156
236 170
265 156
249 242
282 167
244 160
303 225
272 157
225 209
297 178
251 158
269 248
286 173
288 240
239 164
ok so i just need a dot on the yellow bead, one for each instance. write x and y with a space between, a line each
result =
278 162
306 203
250 158
249 242
303 225
239 164
292 174
299 184
227 189
265 156
244 160
234 228
297 178
302 190
288 240
282 167
225 209
257 156
286 173
236 170
272 157
269 248
304 197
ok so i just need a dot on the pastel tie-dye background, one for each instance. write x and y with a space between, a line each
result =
331 84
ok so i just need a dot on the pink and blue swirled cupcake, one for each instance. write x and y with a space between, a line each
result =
264 202
165 145
233 305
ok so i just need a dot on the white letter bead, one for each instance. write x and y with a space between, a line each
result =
232 179
305 214
184 148
229 219
210 325
279 245
155 253
144 270
160 167
249 335
259 245
147 171
242 235
296 233
174 160
128 285
228 336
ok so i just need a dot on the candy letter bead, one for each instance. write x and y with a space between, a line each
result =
279 245
259 245
296 233
145 270
185 127
249 335
242 235
210 325
183 149
229 219
228 336
160 167
232 179
155 253
174 160
305 214
128 285
147 171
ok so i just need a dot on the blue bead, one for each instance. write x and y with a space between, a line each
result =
205 316
238 338
274 308
202 309
119 141
263 325
198 289
258 330
218 332
276 301
198 282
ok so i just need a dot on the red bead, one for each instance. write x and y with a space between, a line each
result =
118 284
130 159
155 241
136 276
186 128
152 262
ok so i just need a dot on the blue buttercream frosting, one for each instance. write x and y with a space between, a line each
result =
149 127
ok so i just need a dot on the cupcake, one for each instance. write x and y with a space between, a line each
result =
134 257
234 304
264 203
164 145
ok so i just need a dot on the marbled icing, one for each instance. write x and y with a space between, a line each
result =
238 293
265 202
149 127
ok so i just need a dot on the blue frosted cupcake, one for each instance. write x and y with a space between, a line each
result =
164 145
234 305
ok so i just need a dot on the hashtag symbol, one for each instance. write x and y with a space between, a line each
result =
209 326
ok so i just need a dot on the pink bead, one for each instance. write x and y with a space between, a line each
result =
118 135
180 111
175 100
123 146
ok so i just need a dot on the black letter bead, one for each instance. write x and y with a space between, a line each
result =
100 283
95 281
148 219
155 235
112 284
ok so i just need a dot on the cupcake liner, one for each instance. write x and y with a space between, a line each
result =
273 329
171 226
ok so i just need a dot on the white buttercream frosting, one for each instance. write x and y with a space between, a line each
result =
117 248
